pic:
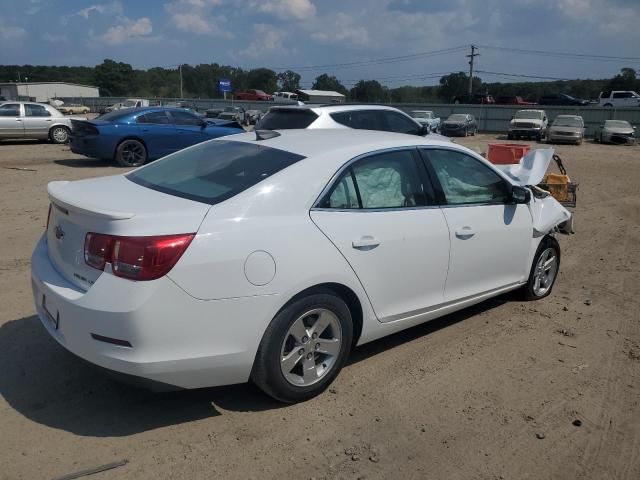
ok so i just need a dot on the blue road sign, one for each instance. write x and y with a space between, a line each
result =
224 85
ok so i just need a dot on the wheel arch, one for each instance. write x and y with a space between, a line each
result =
129 137
346 294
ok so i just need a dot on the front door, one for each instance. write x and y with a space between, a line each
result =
158 133
188 128
490 236
11 121
381 215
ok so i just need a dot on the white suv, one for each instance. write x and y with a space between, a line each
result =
619 99
360 117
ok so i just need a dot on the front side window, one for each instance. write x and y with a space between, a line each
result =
185 118
385 180
465 180
10 110
212 172
154 117
397 122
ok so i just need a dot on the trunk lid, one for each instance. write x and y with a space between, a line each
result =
111 205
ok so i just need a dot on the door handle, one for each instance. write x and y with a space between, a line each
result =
18 119
465 232
366 242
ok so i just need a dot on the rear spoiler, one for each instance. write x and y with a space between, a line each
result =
59 197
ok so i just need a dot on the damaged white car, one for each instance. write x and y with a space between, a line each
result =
269 256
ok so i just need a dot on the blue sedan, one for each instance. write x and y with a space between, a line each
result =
132 136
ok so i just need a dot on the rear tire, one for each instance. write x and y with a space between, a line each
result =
544 270
291 364
59 135
131 153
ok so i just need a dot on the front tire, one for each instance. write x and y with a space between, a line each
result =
131 153
544 270
59 135
304 347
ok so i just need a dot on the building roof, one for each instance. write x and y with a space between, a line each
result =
323 93
48 83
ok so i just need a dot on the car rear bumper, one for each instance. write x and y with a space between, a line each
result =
171 338
90 146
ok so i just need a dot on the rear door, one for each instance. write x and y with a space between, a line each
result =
381 215
188 128
37 121
490 236
11 121
158 133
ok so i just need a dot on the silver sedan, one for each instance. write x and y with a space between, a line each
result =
32 120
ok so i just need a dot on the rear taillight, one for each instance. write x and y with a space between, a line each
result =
135 258
48 217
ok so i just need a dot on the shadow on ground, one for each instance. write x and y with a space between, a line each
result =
84 163
48 385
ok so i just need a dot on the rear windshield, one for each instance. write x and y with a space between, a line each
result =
287 119
214 171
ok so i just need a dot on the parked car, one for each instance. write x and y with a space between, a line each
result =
513 100
213 112
233 113
361 117
128 103
253 95
315 243
426 117
562 99
251 117
459 124
285 97
32 120
133 136
476 98
566 129
187 105
73 109
615 131
619 99
528 124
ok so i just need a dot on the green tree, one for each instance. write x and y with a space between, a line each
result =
456 84
114 78
625 80
262 79
289 81
369 91
330 83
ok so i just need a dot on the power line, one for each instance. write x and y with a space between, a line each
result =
520 75
581 56
377 61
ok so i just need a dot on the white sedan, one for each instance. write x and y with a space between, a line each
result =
269 257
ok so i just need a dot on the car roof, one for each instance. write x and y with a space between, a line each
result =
334 108
569 116
315 142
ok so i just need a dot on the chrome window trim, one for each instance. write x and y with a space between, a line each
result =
346 166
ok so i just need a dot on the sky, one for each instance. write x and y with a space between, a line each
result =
318 36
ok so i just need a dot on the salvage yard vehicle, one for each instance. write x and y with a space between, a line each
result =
360 117
476 98
615 131
619 99
74 109
562 99
513 100
269 255
132 136
426 117
252 95
128 103
23 120
528 124
566 129
233 113
459 124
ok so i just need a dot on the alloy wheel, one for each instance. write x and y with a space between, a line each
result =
545 272
60 135
133 153
311 347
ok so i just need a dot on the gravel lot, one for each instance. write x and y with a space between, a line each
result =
463 397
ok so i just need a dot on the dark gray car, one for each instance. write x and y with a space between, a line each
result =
459 125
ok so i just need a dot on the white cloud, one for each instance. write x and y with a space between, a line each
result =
298 9
54 38
195 16
101 8
9 32
342 30
267 39
119 34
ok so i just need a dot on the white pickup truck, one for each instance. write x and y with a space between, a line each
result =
619 99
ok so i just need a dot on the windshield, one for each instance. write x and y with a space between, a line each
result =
617 124
458 117
212 172
529 114
421 114
568 122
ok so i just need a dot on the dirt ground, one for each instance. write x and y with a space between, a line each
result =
463 397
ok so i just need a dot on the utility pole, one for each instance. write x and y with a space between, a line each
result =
471 57
180 69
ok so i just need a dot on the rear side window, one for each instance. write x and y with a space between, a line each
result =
287 119
396 122
154 117
361 119
385 180
34 110
212 172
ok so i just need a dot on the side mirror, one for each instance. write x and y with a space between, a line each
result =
425 129
520 194
203 124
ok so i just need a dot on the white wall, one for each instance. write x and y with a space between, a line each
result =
43 92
